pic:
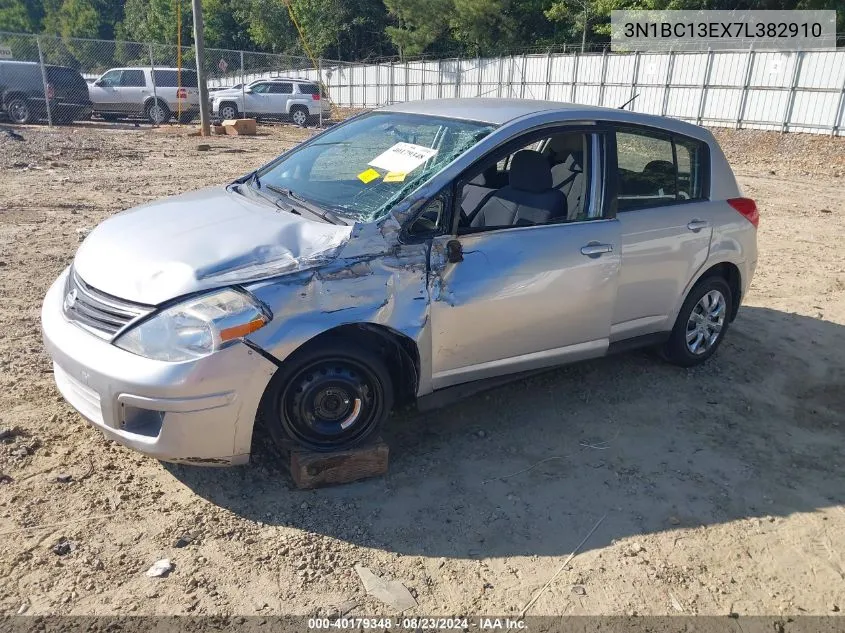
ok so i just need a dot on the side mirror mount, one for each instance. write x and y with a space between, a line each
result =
100 83
247 90
454 252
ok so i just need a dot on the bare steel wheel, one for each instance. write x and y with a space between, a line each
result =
329 397
157 113
701 324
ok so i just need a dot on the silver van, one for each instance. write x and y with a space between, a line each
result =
391 258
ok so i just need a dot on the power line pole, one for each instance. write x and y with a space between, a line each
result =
199 44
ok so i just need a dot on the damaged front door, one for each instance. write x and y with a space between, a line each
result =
521 298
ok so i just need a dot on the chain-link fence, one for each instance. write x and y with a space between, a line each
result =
60 80
68 79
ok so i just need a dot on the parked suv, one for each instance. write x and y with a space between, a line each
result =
22 91
403 252
295 99
156 94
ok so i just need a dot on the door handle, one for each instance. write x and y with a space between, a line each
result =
697 225
454 252
595 249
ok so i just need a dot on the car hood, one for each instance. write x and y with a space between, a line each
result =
200 240
227 92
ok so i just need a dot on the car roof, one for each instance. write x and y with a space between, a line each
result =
184 70
502 111
284 79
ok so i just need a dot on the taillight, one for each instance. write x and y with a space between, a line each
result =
316 96
50 92
181 93
747 208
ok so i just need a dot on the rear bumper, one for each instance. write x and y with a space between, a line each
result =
199 412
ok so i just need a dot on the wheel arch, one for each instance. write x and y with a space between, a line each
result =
400 353
727 270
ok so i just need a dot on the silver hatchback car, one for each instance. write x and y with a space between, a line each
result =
406 251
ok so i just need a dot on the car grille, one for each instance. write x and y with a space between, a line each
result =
98 312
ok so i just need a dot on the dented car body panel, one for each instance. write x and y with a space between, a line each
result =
517 298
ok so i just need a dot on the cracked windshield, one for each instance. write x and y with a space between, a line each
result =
361 169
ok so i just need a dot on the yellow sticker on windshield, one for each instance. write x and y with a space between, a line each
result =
368 175
394 176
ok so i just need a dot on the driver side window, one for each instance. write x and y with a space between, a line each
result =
544 181
111 78
260 88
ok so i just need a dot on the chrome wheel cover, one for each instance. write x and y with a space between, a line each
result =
705 322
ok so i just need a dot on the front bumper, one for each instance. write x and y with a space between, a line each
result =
200 411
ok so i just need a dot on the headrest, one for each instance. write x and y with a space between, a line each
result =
530 171
562 145
486 178
660 167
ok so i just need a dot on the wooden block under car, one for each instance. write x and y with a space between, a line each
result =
240 127
314 470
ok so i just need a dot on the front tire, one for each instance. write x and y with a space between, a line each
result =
702 322
328 397
228 111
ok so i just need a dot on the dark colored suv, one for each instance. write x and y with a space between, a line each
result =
22 93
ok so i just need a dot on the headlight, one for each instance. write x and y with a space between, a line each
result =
197 327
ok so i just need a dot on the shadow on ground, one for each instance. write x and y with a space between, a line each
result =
530 468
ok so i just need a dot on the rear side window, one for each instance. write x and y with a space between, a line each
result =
281 89
656 169
171 79
133 79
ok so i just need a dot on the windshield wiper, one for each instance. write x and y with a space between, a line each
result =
325 214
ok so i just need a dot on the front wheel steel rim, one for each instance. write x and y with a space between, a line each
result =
299 117
228 112
331 403
706 322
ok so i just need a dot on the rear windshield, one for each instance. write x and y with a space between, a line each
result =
311 89
170 79
65 77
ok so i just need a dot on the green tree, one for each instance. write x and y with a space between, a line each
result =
155 21
71 18
418 23
481 26
15 17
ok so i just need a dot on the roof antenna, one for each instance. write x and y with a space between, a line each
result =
629 101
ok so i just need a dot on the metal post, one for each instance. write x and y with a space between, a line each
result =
320 87
749 67
243 88
44 83
574 77
635 76
153 76
704 85
522 84
199 47
439 78
392 92
458 72
670 68
603 76
407 73
548 74
479 72
501 72
796 72
839 113
510 78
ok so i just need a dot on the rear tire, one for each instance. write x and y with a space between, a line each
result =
331 396
702 323
299 115
157 113
18 111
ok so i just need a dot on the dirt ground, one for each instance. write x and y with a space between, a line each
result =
721 487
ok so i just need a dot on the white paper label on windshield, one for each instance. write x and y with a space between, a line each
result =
403 158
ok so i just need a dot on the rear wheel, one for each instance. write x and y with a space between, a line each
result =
18 110
157 113
329 397
702 323
299 115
